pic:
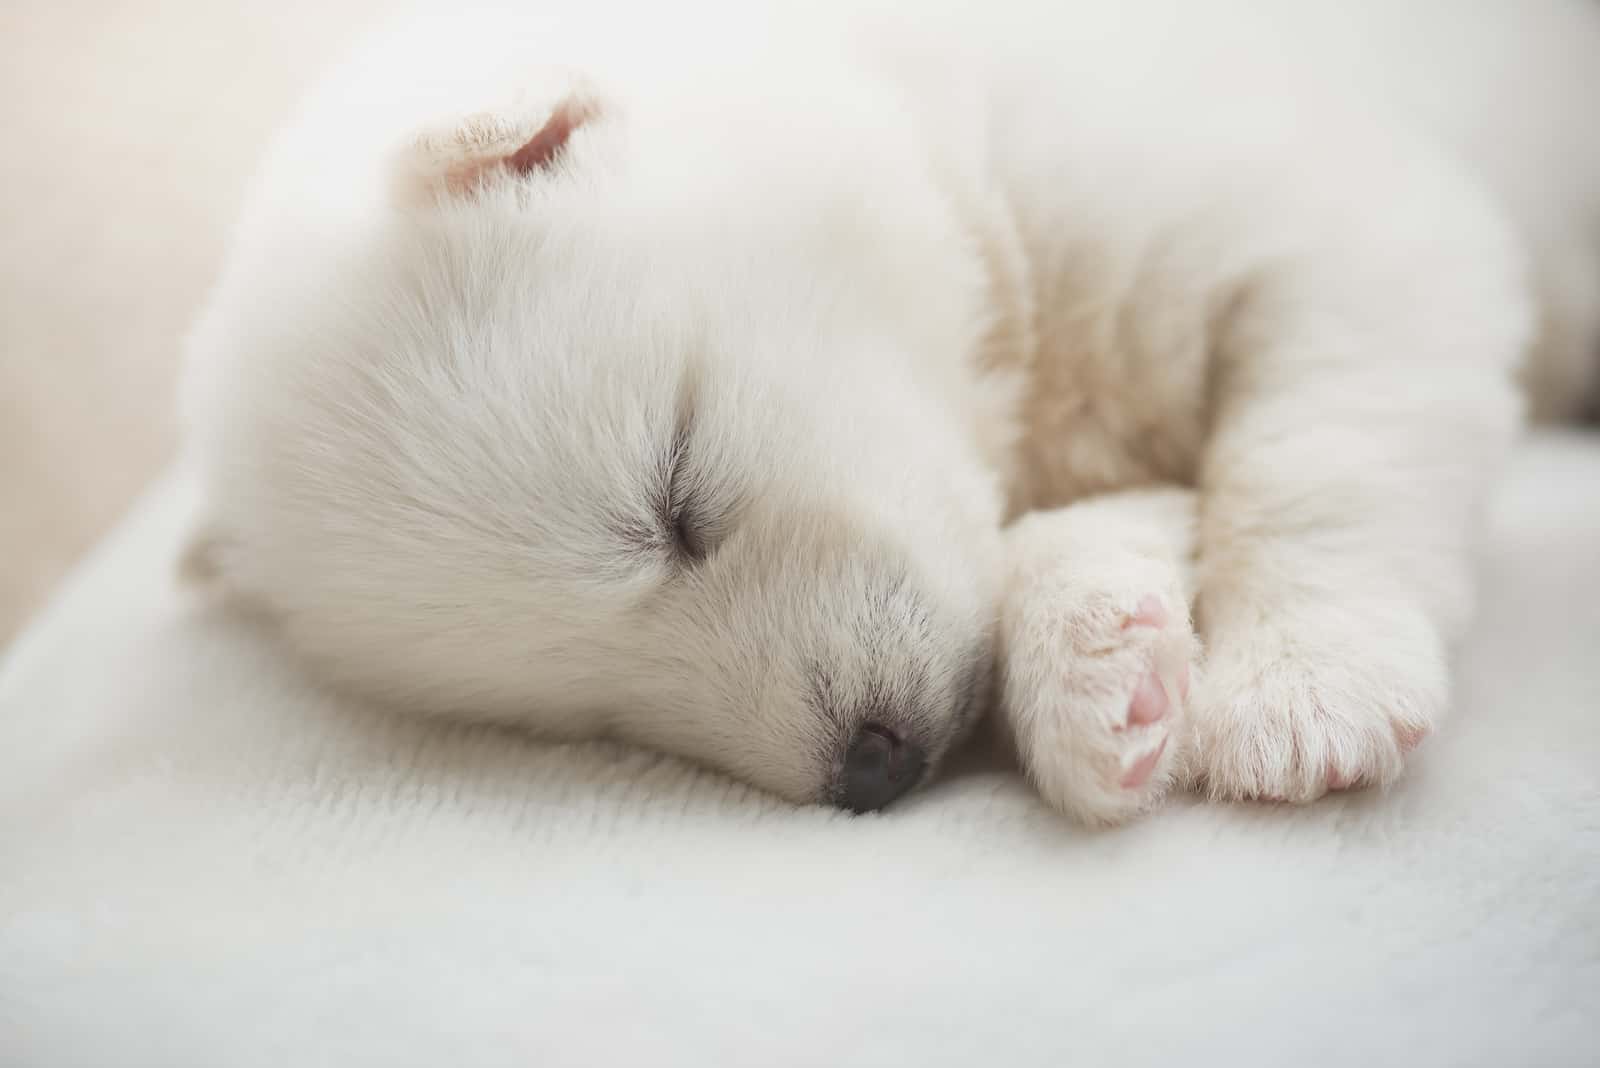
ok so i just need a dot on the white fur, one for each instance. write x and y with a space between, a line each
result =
887 278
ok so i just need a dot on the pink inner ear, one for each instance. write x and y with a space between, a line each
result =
543 148
456 159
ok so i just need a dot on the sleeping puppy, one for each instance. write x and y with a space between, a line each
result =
783 388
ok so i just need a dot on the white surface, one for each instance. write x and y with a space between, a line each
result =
204 863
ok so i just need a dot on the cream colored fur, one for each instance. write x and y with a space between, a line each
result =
703 432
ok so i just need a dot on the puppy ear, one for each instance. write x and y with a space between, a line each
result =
456 159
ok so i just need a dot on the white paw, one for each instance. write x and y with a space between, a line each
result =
1289 713
1093 687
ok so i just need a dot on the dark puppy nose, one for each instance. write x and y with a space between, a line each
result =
879 766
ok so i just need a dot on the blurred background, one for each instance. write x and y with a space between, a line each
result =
130 130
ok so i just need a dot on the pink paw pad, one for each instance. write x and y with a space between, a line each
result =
1140 771
1150 613
1149 702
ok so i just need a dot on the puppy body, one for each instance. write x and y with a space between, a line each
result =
676 384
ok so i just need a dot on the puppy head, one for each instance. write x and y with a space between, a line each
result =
613 430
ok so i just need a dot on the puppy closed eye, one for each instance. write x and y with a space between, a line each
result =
692 527
688 513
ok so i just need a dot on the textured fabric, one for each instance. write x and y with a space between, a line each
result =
205 862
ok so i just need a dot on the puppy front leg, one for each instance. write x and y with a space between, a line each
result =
1097 649
1364 398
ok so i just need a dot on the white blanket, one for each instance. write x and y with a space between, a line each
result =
205 862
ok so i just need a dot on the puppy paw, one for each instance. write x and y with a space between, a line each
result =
1291 714
1094 688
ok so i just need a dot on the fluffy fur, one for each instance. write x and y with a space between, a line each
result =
678 384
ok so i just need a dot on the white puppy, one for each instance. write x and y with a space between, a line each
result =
673 373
